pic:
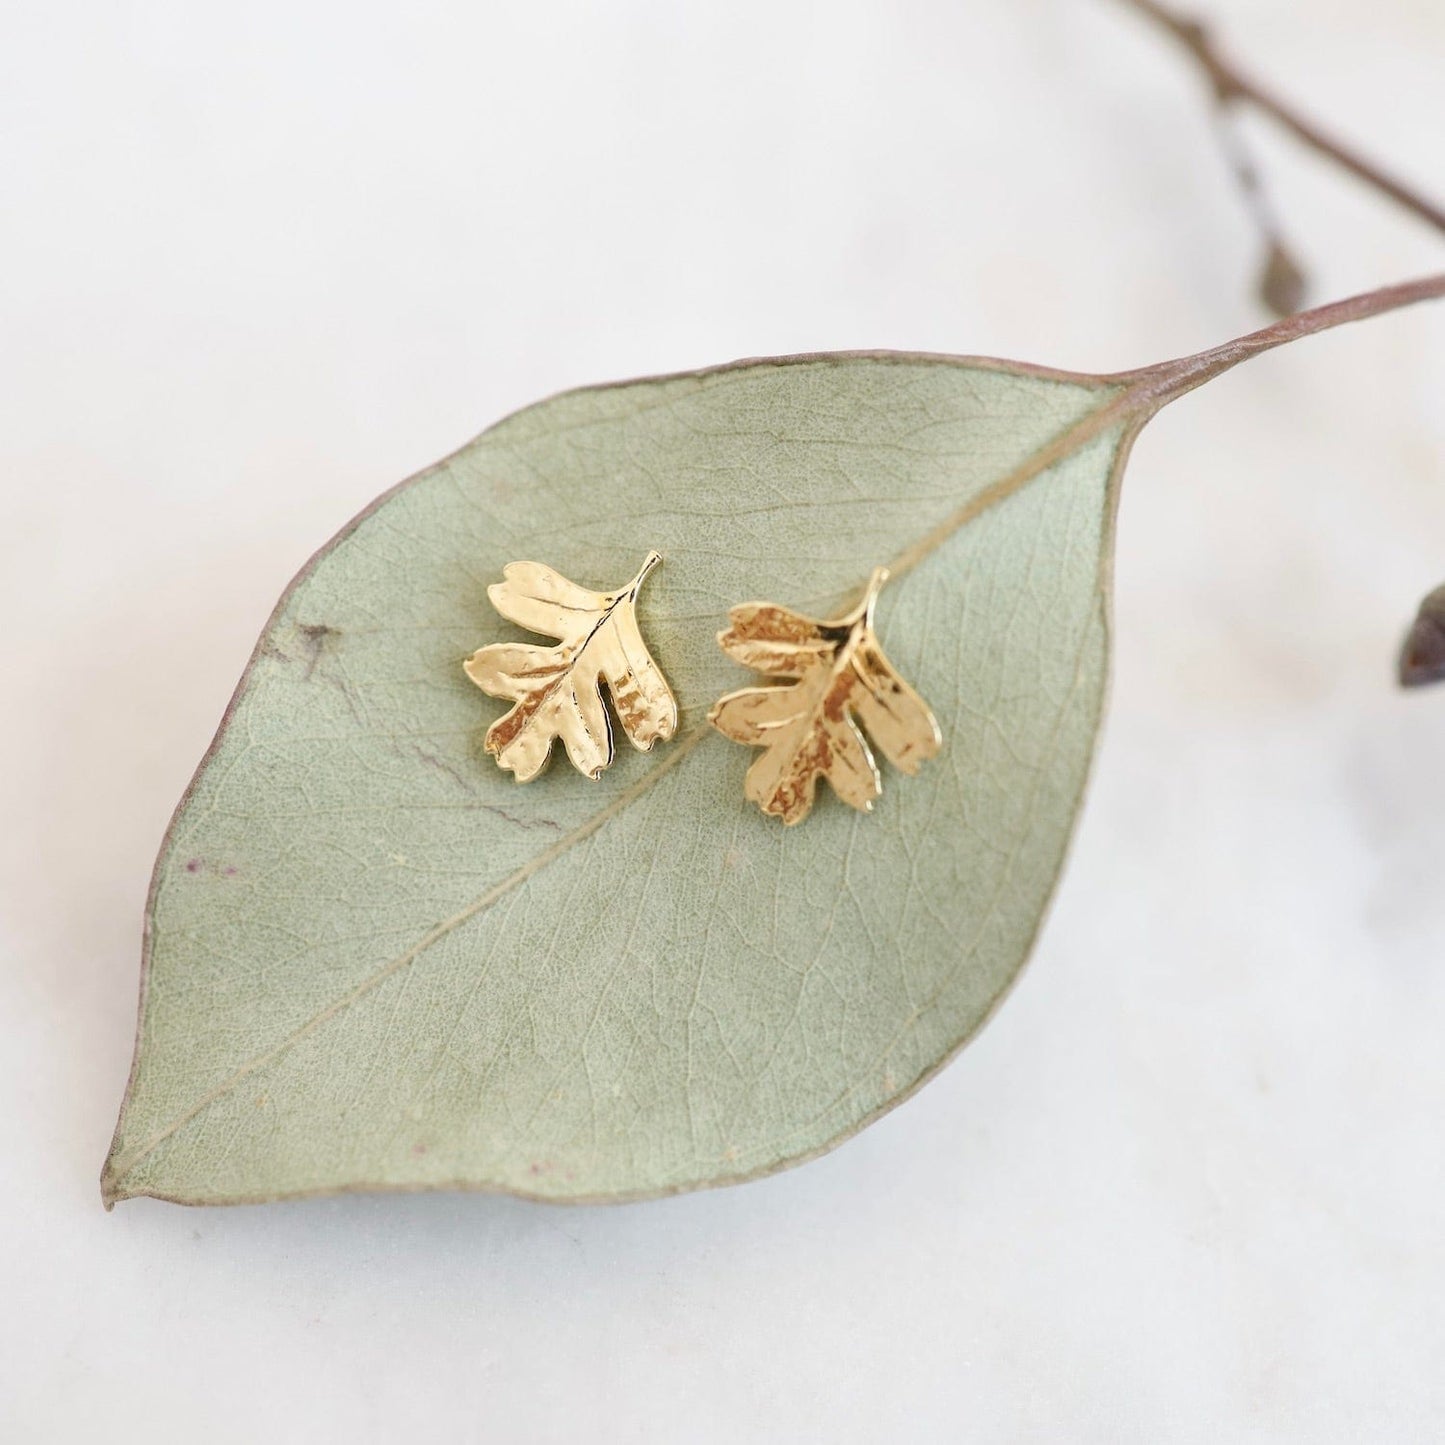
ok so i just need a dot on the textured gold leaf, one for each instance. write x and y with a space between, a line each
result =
810 729
558 690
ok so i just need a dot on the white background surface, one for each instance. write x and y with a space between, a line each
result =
259 262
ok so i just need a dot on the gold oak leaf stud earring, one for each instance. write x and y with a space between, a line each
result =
810 728
558 690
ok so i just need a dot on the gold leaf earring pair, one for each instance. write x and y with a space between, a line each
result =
833 676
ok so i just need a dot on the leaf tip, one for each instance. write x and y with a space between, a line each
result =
1422 658
652 560
111 1188
870 595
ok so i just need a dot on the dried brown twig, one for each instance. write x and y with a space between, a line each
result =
1282 283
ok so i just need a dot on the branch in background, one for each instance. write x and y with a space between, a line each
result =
1282 283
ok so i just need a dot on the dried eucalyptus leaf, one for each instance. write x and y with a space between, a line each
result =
373 962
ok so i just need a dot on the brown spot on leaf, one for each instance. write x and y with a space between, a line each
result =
199 865
314 638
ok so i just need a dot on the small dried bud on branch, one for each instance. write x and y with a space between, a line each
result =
1282 284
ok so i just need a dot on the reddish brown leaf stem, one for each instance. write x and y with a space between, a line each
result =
1142 393
1171 379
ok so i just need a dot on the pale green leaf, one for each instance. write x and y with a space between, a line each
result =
373 961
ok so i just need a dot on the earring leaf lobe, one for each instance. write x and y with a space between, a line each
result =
557 691
809 729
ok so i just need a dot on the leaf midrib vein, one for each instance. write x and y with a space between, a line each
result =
480 904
